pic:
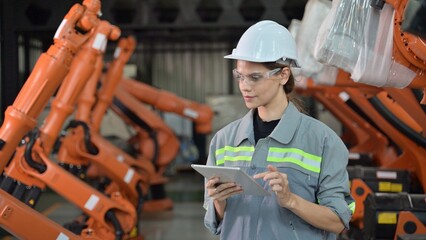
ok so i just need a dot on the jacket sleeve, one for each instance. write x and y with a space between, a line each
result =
210 220
333 191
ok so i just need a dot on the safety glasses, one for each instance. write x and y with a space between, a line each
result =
254 78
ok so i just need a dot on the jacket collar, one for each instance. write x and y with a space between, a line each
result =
288 125
283 132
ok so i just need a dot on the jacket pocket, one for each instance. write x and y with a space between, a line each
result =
301 182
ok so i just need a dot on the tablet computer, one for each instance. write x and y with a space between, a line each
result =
232 174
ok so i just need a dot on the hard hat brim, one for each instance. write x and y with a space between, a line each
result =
249 59
239 57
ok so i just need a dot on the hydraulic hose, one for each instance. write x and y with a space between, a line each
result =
110 217
398 124
140 200
138 121
87 143
28 153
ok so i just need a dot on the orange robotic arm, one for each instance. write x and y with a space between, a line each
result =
408 50
164 137
46 76
82 67
154 141
406 104
363 138
108 215
201 114
87 97
113 162
84 114
148 139
407 100
83 63
412 154
168 144
82 145
26 223
50 69
122 55
116 212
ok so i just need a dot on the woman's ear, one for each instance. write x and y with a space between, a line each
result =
285 75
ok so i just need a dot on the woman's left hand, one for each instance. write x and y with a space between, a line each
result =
279 184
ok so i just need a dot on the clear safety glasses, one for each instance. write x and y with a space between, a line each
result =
253 78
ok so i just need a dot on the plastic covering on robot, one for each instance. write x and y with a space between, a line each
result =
315 13
293 28
340 38
375 65
300 79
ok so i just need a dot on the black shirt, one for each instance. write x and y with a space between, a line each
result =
262 129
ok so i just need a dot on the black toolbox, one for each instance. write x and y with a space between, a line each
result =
385 180
381 211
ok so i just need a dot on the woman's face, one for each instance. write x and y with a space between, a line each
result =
260 89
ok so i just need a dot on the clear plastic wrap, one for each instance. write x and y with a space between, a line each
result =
375 65
300 79
314 15
294 28
327 76
340 36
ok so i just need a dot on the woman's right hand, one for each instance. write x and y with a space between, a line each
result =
221 191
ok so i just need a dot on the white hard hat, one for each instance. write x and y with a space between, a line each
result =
266 41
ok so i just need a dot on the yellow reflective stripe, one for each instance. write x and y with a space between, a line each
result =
220 151
238 158
234 149
232 159
352 207
229 153
296 150
295 161
220 162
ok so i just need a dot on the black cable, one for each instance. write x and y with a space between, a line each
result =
370 121
397 123
140 198
110 217
87 137
28 153
138 121
419 94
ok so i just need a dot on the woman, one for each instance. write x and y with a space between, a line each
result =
299 159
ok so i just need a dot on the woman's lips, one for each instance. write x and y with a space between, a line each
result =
248 97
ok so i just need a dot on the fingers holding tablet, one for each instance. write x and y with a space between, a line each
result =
222 190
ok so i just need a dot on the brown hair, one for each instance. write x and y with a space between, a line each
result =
288 87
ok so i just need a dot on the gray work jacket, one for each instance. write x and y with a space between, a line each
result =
314 159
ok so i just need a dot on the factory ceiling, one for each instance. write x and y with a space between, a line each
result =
161 19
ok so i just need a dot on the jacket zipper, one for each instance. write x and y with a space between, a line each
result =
294 230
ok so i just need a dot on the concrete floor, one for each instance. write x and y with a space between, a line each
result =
184 221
